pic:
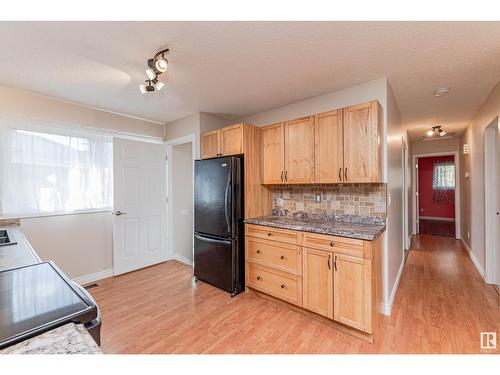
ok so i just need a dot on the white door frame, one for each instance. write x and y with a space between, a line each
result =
456 155
491 203
170 227
406 239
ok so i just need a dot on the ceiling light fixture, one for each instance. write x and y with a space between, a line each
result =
156 66
442 91
436 130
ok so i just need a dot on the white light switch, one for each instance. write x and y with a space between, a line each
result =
184 212
280 202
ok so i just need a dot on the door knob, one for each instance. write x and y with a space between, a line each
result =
119 213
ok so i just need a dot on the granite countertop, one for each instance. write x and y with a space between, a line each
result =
68 339
351 226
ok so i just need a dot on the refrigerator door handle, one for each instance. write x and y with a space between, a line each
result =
212 240
226 203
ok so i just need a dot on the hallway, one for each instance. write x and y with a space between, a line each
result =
442 303
441 306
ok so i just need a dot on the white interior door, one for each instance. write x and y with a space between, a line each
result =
139 225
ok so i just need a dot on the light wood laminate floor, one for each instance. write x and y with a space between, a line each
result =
441 306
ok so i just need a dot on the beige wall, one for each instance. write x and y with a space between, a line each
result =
373 90
396 137
79 244
197 123
472 188
182 196
429 147
37 107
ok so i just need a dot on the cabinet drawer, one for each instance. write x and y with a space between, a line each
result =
279 284
342 245
273 254
271 234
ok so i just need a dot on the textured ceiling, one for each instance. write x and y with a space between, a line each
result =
236 69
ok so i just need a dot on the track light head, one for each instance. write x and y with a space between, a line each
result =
150 73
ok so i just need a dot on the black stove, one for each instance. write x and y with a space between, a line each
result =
39 297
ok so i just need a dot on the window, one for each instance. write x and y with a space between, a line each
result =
47 172
443 175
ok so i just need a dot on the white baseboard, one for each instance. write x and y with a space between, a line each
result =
474 260
386 308
183 259
87 279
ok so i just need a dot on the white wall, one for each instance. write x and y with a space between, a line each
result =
79 244
472 188
182 205
393 262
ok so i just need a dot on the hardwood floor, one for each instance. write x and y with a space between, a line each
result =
437 227
441 306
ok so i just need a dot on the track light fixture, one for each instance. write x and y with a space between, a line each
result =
436 130
156 66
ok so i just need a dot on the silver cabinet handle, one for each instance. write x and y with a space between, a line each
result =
119 213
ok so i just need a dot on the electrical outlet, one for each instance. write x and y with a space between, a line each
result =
280 202
317 197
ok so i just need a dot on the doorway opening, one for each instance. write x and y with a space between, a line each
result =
492 202
437 195
180 155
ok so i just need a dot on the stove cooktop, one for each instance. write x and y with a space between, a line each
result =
38 298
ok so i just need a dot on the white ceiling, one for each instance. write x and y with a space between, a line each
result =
239 68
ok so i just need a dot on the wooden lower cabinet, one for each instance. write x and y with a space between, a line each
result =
351 289
279 284
317 282
334 277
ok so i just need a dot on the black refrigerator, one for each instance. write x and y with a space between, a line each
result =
218 223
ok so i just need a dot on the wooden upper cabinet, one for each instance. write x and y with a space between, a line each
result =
351 288
299 150
272 154
328 147
231 140
362 143
318 282
222 142
210 144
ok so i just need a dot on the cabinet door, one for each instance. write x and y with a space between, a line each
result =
299 150
272 158
361 143
329 147
231 140
318 281
210 144
350 291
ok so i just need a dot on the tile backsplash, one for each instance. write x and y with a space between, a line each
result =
348 199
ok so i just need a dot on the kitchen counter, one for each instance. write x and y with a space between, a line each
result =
351 226
68 339
17 255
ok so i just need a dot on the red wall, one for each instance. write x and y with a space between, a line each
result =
425 204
